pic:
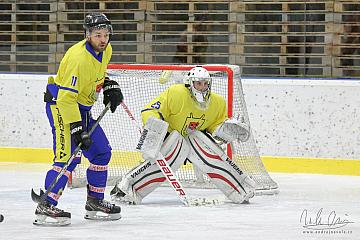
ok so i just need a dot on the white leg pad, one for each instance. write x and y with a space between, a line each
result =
146 177
221 170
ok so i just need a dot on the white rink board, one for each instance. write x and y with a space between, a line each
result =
305 118
298 118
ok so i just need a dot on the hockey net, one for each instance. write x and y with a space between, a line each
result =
140 83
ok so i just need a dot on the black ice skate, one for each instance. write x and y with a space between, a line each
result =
49 215
99 209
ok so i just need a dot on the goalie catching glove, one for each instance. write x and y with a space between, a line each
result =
232 129
112 94
80 135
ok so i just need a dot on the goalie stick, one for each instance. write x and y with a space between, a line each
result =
171 177
39 198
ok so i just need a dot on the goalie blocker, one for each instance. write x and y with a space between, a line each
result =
202 152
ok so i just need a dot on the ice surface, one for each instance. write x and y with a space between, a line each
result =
162 215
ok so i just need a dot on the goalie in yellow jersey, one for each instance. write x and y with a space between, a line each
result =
69 98
181 124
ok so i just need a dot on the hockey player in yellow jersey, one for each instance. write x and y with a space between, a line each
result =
69 98
191 118
181 111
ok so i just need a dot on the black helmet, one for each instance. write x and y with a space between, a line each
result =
96 21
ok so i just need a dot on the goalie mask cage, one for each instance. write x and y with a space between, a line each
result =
140 83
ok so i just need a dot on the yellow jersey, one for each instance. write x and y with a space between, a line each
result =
80 78
177 107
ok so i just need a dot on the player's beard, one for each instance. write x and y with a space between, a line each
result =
99 47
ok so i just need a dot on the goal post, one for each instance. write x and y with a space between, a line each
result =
140 83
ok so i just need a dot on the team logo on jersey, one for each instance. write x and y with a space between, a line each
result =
192 123
156 105
73 80
62 154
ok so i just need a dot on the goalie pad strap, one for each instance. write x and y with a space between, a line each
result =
152 137
223 172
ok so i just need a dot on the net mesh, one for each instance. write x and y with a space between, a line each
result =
141 83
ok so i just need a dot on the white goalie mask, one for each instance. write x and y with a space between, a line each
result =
198 74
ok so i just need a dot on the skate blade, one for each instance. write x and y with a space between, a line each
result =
101 216
47 221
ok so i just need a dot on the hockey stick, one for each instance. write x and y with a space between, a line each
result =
171 177
131 116
42 196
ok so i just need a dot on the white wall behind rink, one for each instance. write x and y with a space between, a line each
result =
295 118
305 118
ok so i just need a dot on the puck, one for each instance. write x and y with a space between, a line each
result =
1 218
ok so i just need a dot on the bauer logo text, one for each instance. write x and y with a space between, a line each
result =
170 177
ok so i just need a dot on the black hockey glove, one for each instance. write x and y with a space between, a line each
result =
112 94
80 135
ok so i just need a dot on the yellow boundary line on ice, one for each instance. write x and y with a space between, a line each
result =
272 164
312 165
